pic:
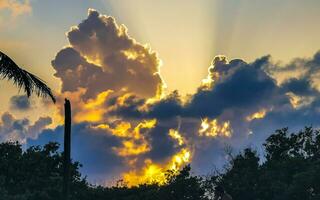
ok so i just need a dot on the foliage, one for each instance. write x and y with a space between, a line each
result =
23 79
35 173
290 170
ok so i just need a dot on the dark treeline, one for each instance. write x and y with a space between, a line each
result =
290 170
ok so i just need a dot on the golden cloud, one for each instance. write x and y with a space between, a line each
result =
16 7
134 142
212 128
257 115
156 173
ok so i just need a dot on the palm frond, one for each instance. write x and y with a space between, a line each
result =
22 79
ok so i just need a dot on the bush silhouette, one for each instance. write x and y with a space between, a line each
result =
290 170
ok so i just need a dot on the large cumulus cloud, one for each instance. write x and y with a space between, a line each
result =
101 63
102 56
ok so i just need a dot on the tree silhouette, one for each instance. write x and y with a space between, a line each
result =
290 171
22 79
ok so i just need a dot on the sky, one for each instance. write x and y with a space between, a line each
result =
156 85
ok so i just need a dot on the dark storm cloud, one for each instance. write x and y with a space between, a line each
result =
103 56
241 86
307 68
294 119
129 106
163 146
300 87
241 90
20 102
246 87
168 107
76 72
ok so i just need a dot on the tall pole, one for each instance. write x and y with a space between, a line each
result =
67 149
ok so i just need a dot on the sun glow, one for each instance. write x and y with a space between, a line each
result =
132 55
134 142
94 60
258 115
157 172
298 101
213 128
91 110
213 75
177 136
180 159
150 173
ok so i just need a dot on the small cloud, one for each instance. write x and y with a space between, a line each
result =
20 102
13 129
16 7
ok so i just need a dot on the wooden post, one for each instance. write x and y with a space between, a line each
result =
67 150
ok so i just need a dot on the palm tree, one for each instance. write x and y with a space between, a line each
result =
32 84
22 79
